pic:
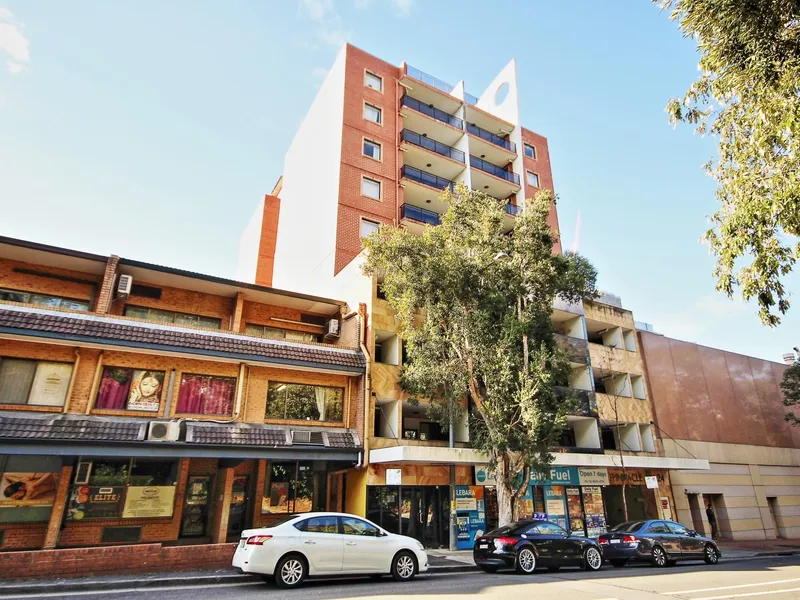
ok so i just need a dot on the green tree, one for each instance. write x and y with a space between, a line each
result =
748 97
790 384
474 305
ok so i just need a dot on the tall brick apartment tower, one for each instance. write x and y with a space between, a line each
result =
377 145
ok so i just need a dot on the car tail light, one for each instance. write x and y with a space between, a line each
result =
629 539
603 541
505 541
258 540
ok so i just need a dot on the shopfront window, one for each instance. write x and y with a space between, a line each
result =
28 487
294 487
206 395
305 402
33 382
133 488
130 389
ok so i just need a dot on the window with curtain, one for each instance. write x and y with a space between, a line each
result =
206 395
372 113
176 318
305 402
130 389
33 382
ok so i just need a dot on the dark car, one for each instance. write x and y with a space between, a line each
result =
660 543
527 545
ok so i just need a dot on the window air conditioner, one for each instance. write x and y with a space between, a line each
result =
332 329
124 285
163 431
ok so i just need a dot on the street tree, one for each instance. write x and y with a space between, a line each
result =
474 306
748 97
790 385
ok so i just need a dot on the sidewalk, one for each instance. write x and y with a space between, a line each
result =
751 548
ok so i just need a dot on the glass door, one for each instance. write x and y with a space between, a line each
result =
237 515
195 506
412 513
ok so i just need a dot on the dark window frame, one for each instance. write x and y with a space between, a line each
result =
4 290
174 313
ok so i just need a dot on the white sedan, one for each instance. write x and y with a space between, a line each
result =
323 543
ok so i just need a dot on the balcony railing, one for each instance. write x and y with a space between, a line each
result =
435 113
424 177
423 142
587 401
513 209
577 348
420 215
488 167
491 137
429 79
471 99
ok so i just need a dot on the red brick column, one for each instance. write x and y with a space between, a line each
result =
237 313
107 288
59 506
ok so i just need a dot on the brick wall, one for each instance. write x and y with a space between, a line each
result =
352 205
26 282
260 314
541 166
268 240
141 558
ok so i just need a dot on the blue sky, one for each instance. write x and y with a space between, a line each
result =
151 129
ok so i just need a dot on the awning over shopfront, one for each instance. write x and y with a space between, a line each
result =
468 456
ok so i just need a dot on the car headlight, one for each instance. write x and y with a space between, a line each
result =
421 547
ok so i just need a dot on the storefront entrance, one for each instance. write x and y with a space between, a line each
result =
194 522
420 512
237 516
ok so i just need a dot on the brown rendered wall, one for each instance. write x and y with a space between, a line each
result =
704 394
352 205
11 278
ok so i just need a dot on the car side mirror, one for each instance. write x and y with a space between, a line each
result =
692 533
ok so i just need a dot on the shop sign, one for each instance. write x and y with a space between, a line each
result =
467 498
95 502
633 477
593 477
558 476
144 502
28 489
394 476
651 482
483 476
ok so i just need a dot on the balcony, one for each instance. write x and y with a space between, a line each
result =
491 179
490 146
425 178
430 90
587 401
430 155
433 112
513 209
487 121
430 122
576 348
422 189
487 167
415 219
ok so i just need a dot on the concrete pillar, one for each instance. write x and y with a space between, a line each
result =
59 506
222 506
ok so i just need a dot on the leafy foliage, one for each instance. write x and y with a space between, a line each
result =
748 97
790 384
474 305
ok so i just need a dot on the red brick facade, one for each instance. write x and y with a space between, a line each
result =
541 166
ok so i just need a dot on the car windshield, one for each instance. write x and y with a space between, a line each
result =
628 527
511 528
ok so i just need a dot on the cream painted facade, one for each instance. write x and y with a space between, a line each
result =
755 489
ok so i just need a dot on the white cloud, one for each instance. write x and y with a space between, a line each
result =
13 42
402 7
316 9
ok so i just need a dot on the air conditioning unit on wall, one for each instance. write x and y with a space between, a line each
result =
163 431
124 286
332 329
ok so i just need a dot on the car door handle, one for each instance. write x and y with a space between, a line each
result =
349 543
309 542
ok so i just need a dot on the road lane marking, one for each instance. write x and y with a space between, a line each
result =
748 595
129 590
730 587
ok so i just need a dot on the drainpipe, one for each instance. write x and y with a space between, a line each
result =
71 384
95 383
240 392
364 461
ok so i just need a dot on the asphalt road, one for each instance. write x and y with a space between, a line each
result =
773 578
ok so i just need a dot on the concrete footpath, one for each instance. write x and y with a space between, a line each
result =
441 561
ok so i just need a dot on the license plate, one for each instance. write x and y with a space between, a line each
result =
485 545
614 541
241 543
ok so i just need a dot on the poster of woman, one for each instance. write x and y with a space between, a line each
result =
145 392
28 489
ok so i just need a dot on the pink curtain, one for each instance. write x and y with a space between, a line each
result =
113 392
200 395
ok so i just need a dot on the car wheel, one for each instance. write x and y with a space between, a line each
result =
659 557
553 569
619 562
489 569
290 571
404 567
710 555
592 559
526 561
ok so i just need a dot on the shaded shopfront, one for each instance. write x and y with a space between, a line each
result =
647 492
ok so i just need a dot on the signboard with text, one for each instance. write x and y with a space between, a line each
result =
593 476
143 502
558 476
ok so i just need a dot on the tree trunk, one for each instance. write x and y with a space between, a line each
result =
504 492
624 499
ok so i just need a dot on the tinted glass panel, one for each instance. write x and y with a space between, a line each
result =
322 525
353 526
627 527
513 528
677 528
658 527
550 529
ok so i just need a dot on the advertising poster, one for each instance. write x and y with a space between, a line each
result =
554 504
50 384
595 512
143 502
145 393
575 511
588 476
462 522
28 489
95 502
470 513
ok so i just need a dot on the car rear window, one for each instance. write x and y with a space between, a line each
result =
628 527
512 528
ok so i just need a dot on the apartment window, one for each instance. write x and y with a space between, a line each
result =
533 179
368 227
130 389
206 395
372 113
175 318
370 188
275 333
33 382
373 81
43 300
305 402
293 487
372 149
530 151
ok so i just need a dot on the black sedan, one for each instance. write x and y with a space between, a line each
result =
526 545
660 543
